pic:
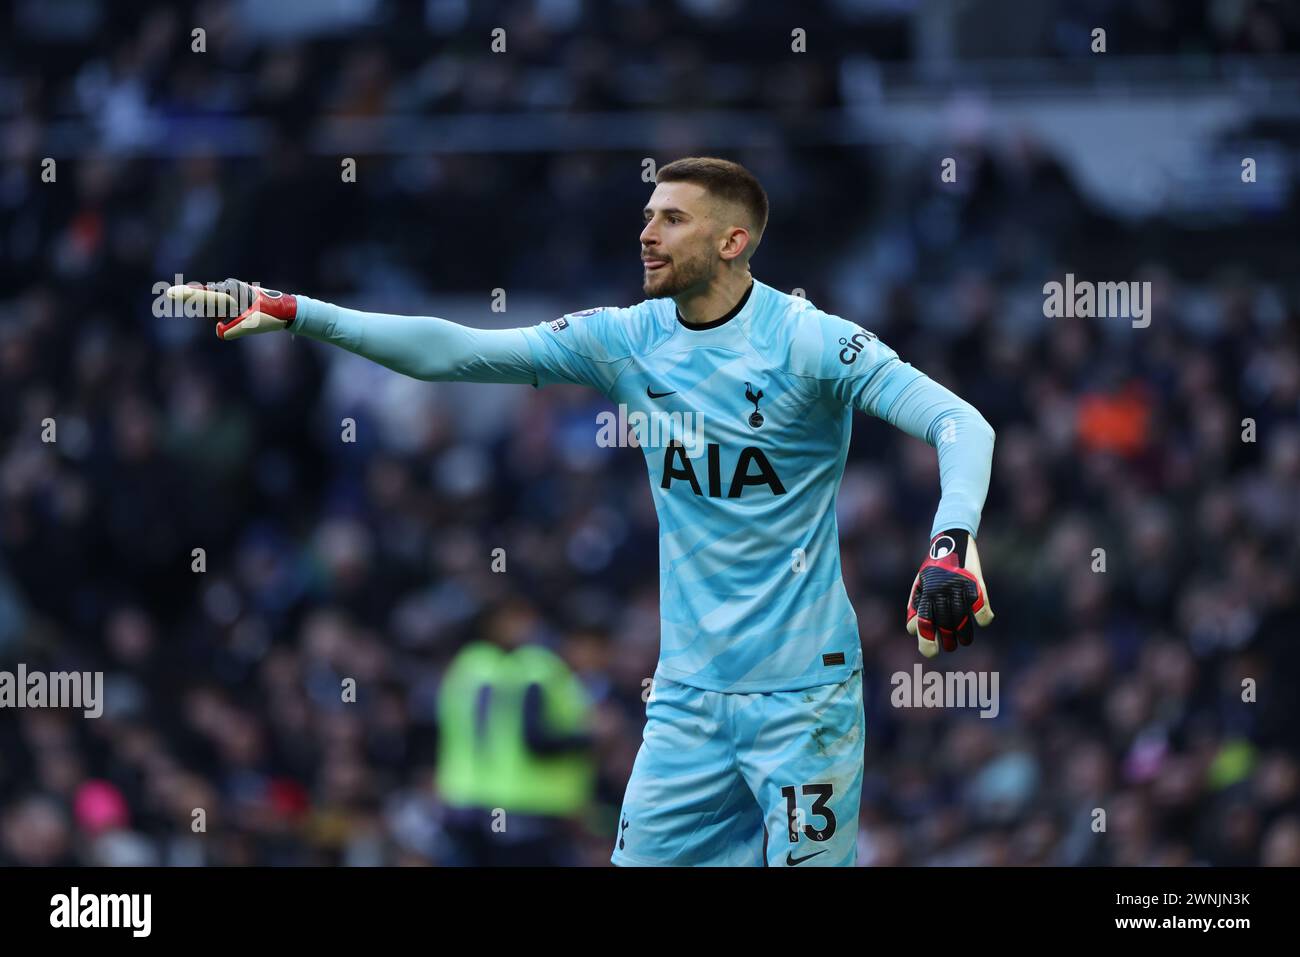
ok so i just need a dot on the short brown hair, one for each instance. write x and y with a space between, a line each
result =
724 179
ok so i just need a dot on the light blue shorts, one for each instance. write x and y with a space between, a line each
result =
725 779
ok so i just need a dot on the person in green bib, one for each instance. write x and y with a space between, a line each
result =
515 769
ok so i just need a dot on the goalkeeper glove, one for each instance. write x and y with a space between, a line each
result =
246 309
947 594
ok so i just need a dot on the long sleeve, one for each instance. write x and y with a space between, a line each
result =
424 347
963 440
854 368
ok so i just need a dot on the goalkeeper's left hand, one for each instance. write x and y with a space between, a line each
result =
247 309
947 594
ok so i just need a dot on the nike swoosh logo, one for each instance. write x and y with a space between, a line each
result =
657 395
791 860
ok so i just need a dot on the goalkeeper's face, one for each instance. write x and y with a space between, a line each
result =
681 240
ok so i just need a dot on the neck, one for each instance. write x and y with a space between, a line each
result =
714 300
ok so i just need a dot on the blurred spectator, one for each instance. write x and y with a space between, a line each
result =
514 769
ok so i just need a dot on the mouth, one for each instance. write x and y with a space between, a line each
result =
652 264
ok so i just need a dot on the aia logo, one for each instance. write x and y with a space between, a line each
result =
752 468
852 346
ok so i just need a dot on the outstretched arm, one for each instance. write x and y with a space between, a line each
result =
424 347
583 348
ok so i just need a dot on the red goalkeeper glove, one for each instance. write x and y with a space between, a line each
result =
246 309
948 597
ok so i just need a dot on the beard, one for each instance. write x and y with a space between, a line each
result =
677 277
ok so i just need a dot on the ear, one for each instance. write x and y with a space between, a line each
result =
735 243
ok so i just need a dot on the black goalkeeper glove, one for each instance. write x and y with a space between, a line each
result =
948 597
246 309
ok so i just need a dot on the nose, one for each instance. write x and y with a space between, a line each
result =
648 236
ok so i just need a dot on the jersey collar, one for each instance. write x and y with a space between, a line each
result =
735 310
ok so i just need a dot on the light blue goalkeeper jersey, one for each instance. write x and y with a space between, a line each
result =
745 424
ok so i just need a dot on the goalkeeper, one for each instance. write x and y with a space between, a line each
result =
753 746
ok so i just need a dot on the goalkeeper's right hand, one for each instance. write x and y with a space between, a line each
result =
246 309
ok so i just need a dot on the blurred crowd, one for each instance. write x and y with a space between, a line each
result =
199 531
